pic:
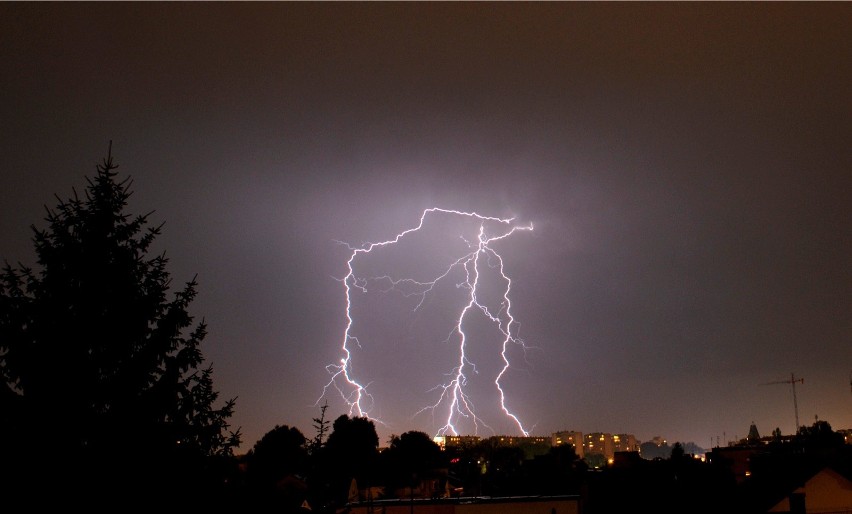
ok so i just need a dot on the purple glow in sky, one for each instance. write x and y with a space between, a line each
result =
686 166
470 267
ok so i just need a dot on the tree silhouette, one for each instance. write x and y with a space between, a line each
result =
280 452
351 452
276 467
321 427
411 457
678 452
102 386
820 435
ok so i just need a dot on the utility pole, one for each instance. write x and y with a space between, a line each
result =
792 381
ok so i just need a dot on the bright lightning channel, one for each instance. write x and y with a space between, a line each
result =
453 400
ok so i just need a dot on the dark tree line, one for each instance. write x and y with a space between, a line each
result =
411 465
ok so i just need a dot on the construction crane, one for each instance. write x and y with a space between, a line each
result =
792 381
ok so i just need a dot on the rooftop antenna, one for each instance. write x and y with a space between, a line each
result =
792 381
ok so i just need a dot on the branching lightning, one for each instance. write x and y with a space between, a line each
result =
453 401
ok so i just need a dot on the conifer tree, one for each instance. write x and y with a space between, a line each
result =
101 370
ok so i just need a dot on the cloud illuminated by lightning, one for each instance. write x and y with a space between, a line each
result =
453 402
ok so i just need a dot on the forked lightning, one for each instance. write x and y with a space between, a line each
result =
453 401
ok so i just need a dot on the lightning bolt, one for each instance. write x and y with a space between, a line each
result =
453 402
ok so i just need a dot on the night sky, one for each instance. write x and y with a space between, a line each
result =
686 168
